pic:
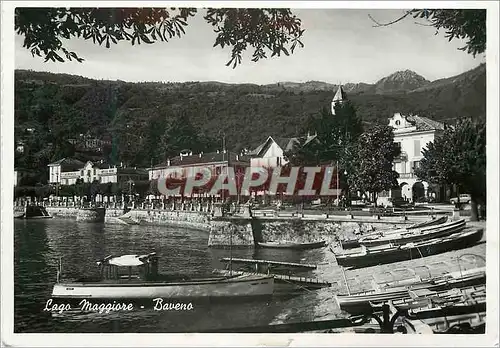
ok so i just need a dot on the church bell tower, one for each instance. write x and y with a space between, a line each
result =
339 98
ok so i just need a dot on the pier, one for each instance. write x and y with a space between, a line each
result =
269 263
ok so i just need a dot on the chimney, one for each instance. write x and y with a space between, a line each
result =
237 157
190 153
168 162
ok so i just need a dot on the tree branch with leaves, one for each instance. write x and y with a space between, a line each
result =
267 31
458 157
463 24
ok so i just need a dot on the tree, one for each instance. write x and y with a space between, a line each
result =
334 135
181 135
273 31
372 162
458 157
469 24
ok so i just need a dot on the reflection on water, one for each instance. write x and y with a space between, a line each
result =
39 244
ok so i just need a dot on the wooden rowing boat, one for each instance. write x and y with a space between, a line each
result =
393 253
285 284
401 237
356 243
292 245
360 302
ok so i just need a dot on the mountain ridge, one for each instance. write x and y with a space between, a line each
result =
135 115
408 81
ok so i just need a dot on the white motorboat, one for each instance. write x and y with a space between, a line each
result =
119 281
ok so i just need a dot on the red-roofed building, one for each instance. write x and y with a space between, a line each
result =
186 162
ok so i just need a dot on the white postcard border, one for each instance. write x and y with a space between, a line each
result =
244 340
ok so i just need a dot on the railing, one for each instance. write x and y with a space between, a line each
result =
407 176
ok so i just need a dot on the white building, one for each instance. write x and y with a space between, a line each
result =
63 165
67 171
271 153
413 133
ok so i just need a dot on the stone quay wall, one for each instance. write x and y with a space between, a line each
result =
189 219
91 215
63 212
245 231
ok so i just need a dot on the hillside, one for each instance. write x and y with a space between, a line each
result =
61 106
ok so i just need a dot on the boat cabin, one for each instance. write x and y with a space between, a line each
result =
129 267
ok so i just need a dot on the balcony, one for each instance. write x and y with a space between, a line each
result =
402 157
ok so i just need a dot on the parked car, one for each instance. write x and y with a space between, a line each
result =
400 202
385 202
464 198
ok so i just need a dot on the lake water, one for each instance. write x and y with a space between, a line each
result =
40 243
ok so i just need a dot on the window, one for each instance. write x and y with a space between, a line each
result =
398 145
416 147
398 122
415 166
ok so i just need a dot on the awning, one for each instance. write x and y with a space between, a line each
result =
126 261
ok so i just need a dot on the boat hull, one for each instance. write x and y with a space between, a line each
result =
241 286
431 233
355 243
360 303
402 253
293 246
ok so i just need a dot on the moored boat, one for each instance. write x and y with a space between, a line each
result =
292 245
287 284
118 281
393 253
356 243
401 237
360 302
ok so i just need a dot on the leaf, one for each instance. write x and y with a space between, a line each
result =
56 56
146 39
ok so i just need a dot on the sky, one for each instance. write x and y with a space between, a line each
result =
341 46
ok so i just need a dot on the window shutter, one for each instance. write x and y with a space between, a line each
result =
417 149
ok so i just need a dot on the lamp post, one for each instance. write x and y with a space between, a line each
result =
57 186
223 159
337 173
130 185
239 175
